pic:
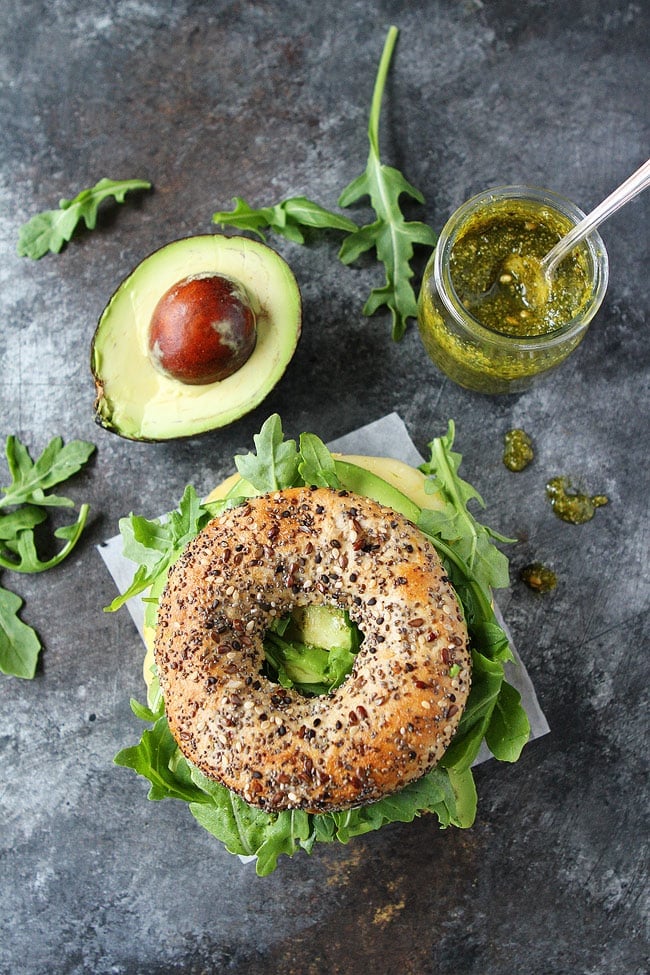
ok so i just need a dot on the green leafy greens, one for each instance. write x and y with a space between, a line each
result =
454 523
288 219
294 660
389 234
23 507
493 713
49 230
19 643
156 544
275 465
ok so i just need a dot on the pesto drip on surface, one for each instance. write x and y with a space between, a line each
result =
538 577
570 505
495 270
518 449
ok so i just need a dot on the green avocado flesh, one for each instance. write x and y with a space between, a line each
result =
320 626
369 485
134 399
497 256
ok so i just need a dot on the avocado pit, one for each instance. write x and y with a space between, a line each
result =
202 330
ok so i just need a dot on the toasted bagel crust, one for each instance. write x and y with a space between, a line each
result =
394 716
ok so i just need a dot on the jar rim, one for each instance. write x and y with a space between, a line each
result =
465 319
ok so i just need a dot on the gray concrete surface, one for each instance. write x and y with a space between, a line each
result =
266 100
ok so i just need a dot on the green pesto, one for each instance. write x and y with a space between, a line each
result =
539 577
478 364
518 449
485 357
570 505
495 270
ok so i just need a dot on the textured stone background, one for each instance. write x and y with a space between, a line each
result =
265 100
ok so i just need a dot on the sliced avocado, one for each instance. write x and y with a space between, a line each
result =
241 489
370 485
137 401
321 626
367 476
407 480
313 650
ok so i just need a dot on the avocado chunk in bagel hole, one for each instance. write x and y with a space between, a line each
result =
394 716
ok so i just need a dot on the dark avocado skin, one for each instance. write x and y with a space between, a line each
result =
107 401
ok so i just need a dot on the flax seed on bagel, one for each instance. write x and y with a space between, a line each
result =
392 719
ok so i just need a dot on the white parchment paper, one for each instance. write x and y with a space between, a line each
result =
386 437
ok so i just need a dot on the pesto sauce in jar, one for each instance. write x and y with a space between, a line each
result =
495 271
477 242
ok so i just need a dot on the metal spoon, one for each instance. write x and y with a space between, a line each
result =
538 274
632 186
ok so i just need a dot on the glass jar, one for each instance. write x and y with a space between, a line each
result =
479 357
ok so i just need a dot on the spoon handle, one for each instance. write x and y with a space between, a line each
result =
633 185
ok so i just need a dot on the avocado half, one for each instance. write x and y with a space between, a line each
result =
133 398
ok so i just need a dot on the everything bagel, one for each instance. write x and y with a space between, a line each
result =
394 716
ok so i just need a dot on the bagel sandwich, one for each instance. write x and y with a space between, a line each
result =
322 653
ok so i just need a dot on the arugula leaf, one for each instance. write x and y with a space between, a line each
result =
279 464
145 713
471 540
433 793
146 541
316 464
474 566
284 218
49 230
275 465
152 758
23 547
27 498
188 519
16 521
509 729
27 495
156 544
248 831
30 479
465 797
389 234
487 632
487 679
19 644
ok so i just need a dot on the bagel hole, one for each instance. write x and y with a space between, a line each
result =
311 650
